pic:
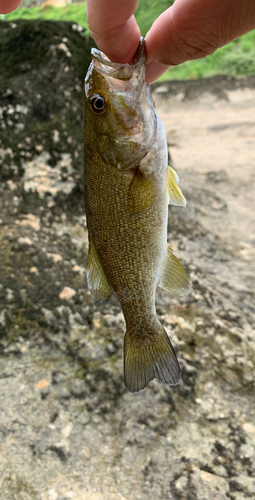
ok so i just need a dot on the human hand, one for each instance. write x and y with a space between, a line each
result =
190 29
7 6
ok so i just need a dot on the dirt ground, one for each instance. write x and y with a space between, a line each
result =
212 143
68 427
217 135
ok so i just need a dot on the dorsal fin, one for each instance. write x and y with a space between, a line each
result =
174 277
175 196
98 284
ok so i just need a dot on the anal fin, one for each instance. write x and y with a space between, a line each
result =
98 284
174 276
175 196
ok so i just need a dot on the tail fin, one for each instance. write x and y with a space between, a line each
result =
146 358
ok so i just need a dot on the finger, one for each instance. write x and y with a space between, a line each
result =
154 70
191 29
177 36
7 6
114 28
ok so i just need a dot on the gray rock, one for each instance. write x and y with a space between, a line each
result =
3 320
243 483
9 295
49 317
79 388
208 486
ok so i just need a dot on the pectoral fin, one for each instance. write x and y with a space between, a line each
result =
175 196
141 194
174 277
98 284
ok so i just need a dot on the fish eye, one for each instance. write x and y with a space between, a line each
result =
98 103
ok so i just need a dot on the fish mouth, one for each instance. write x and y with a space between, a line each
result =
119 71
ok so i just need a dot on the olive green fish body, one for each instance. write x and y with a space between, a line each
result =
128 203
127 186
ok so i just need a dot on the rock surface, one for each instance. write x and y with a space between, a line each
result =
68 427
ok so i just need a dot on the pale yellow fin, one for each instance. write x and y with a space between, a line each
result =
175 196
98 284
149 356
174 277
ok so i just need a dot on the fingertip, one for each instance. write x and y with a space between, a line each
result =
7 6
154 70
114 28
119 44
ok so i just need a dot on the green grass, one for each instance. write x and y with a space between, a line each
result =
236 59
148 10
72 12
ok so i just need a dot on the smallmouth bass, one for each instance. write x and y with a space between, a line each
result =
128 186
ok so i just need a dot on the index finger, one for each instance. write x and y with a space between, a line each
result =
114 28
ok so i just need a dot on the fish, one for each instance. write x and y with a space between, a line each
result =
128 186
